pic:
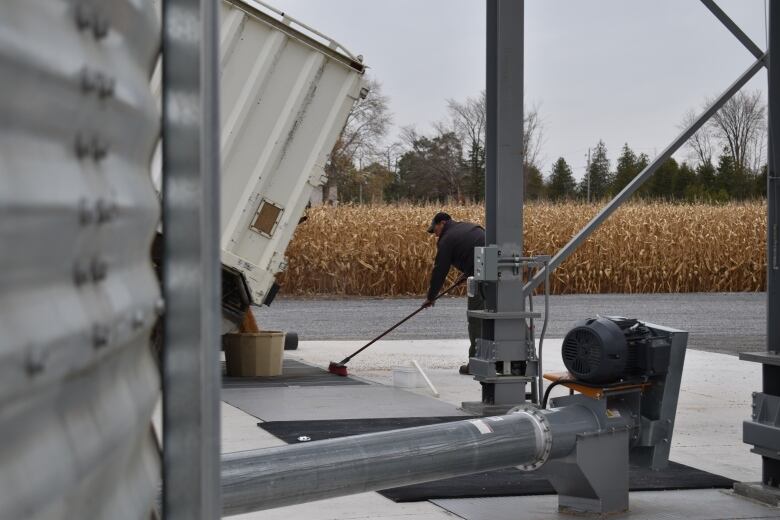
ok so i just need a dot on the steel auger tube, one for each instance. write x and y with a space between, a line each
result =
275 477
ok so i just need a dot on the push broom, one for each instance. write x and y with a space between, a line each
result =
340 368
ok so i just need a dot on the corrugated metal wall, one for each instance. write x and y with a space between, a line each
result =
78 382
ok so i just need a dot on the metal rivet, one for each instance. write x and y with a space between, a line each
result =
99 269
86 212
100 336
137 320
83 16
99 148
159 306
100 26
83 147
106 87
34 362
106 210
89 80
80 274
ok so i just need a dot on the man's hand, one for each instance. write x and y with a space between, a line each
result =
428 303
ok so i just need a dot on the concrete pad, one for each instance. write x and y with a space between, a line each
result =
356 507
240 432
702 504
334 402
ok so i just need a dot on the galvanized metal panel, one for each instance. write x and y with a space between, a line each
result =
78 295
285 97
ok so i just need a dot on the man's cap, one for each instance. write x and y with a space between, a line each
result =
440 217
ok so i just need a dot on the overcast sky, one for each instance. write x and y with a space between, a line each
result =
617 70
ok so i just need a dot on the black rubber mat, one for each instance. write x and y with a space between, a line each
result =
294 373
506 482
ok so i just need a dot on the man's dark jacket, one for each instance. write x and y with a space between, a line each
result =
455 248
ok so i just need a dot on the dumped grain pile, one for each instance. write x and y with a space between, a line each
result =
383 250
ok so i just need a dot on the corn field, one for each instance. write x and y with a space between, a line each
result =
645 247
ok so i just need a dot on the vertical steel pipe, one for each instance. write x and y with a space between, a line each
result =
275 477
191 269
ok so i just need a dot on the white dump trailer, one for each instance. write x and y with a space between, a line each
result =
286 91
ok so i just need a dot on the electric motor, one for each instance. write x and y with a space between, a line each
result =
607 349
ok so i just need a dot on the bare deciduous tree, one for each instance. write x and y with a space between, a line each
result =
361 139
739 124
701 143
533 134
469 119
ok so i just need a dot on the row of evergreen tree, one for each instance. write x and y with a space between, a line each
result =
671 181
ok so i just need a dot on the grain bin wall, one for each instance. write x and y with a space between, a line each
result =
78 382
286 92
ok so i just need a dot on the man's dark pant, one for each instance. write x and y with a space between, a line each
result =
476 302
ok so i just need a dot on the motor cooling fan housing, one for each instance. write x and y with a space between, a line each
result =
596 351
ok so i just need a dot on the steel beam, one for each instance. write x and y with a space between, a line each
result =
275 477
771 373
191 268
504 380
491 80
645 174
751 46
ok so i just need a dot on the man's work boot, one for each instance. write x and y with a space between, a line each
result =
464 370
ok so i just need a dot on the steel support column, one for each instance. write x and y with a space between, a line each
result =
191 268
502 360
771 372
763 429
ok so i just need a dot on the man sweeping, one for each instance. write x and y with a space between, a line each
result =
455 247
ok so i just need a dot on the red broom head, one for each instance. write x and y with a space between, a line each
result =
338 369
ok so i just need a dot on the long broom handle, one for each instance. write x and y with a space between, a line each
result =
391 329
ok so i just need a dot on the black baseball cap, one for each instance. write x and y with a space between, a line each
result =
440 217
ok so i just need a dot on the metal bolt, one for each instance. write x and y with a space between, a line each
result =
80 274
83 147
100 335
99 269
86 213
137 320
83 16
89 80
34 362
100 26
106 87
99 148
106 210
159 306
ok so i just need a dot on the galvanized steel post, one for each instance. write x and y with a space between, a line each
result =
191 269
771 371
504 327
